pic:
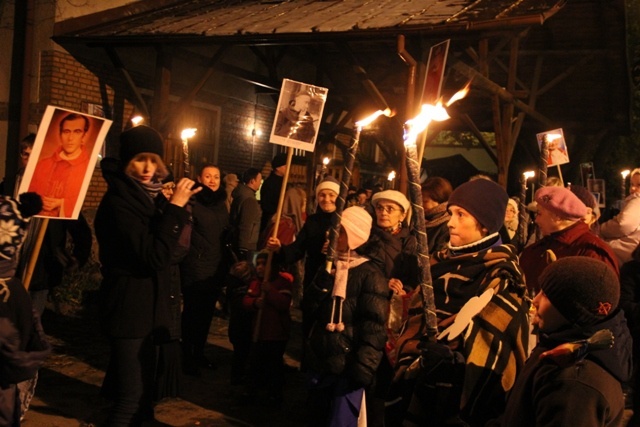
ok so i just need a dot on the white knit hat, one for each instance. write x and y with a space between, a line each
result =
394 196
328 183
356 222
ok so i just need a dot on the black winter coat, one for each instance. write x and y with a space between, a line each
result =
204 263
395 254
585 393
309 242
137 236
356 352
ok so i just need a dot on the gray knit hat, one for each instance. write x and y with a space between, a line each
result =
584 290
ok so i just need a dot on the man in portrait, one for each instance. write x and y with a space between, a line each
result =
58 178
294 121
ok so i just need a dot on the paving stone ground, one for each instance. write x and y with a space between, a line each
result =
67 394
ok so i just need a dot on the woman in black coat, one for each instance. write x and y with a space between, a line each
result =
311 241
204 268
137 231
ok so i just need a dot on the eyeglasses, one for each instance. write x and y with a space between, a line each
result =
25 154
387 209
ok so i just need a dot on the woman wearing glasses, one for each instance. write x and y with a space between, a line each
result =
393 248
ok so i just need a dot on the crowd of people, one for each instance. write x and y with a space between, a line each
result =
487 327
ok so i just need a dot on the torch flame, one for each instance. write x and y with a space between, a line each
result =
625 173
529 174
188 133
366 122
325 161
459 94
418 124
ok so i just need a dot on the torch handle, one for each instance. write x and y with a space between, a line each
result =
521 236
420 230
341 200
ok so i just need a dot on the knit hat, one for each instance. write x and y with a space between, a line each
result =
584 290
279 160
14 218
562 202
484 199
394 196
514 203
243 270
356 222
140 139
328 183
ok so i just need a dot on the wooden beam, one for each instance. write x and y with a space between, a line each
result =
493 88
186 101
117 63
162 90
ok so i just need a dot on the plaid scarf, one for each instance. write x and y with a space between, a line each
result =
495 343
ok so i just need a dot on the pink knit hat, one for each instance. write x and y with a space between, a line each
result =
562 202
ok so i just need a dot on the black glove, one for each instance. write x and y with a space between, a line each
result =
435 354
323 280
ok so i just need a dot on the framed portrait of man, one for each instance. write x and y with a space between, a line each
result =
557 151
62 160
298 115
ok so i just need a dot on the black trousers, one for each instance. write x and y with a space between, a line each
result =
199 303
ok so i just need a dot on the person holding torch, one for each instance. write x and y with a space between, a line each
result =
482 312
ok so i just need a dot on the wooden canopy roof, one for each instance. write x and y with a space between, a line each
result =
534 64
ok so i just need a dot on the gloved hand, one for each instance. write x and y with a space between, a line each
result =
323 281
434 354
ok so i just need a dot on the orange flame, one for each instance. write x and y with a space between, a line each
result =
418 124
459 94
367 121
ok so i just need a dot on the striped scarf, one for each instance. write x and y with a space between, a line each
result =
494 345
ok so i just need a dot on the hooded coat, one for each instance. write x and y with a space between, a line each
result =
585 393
354 353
